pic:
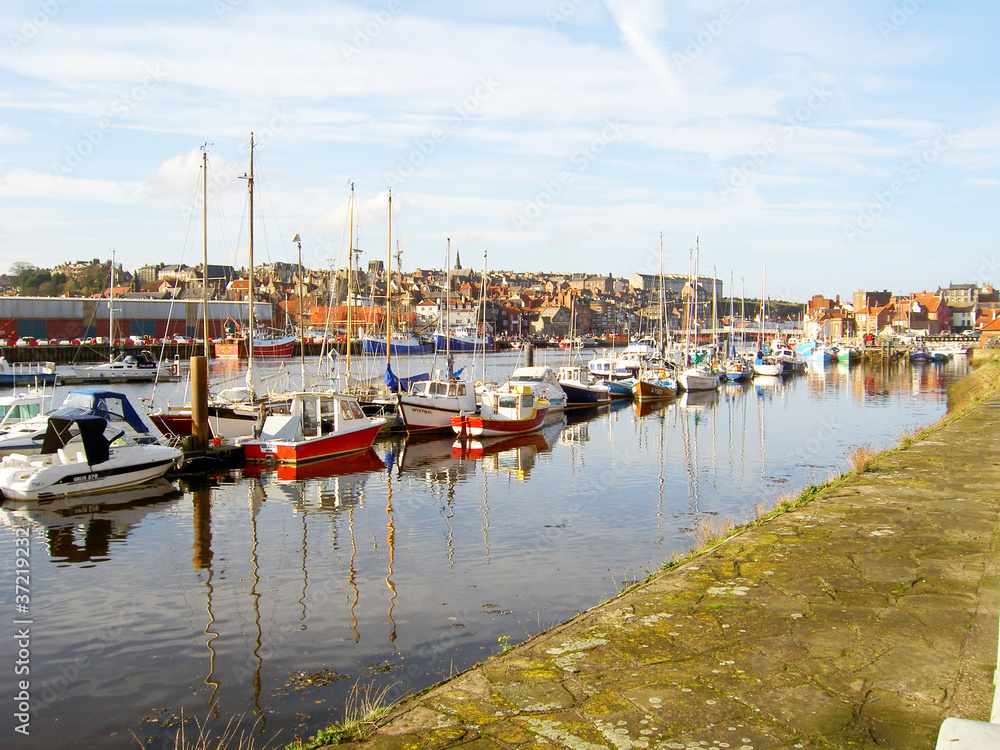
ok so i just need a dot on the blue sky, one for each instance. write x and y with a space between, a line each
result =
846 145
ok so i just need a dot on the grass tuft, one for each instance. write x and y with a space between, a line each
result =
362 712
862 458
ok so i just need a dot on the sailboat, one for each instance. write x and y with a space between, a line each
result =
699 377
654 381
430 404
766 365
254 339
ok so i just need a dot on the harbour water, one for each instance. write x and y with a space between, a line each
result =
267 595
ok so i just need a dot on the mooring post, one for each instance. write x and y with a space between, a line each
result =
199 403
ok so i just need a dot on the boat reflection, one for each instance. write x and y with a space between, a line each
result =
82 529
515 455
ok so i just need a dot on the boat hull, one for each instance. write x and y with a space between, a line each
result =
470 425
578 394
397 348
462 343
689 381
648 390
312 449
278 348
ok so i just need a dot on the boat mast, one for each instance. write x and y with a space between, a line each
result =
482 305
204 244
250 261
447 308
350 276
388 289
111 311
302 334
663 340
715 315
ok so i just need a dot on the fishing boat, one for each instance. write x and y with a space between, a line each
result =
847 354
790 359
100 464
266 343
26 372
655 384
319 426
940 354
509 410
401 344
824 353
579 390
464 339
543 383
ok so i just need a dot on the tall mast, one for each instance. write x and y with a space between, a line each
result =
250 254
715 314
447 307
388 289
482 306
302 334
204 244
111 311
663 341
350 277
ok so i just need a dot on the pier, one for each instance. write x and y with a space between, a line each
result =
863 616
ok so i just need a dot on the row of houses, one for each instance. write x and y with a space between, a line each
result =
956 309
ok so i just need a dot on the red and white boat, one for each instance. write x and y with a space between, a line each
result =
318 426
509 410
268 343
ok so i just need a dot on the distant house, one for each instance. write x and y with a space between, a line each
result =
552 321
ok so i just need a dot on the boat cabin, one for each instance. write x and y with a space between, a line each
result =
440 388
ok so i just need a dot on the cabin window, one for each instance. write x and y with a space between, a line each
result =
461 390
310 416
507 402
453 390
356 410
345 410
440 389
527 400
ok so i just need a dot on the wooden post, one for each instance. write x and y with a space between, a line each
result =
199 403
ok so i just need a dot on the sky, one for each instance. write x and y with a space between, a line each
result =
803 147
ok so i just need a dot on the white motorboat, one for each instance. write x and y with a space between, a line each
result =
768 366
429 405
125 368
791 360
77 458
698 378
543 383
26 437
19 407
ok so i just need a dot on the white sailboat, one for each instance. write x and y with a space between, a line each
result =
698 377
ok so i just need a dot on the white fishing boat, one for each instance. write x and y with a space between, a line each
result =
78 458
138 367
509 410
768 366
790 359
543 383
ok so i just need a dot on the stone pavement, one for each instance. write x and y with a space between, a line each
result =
861 619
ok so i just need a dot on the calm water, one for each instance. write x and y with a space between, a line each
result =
268 596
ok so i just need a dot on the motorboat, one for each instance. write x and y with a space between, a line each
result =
738 370
127 367
544 384
824 353
26 372
430 404
790 359
768 366
511 409
20 407
580 391
319 426
848 354
100 464
268 343
700 377
114 407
